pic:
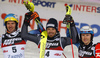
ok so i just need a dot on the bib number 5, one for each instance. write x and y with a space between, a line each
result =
14 50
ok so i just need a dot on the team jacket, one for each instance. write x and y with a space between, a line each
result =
13 45
55 46
86 51
89 51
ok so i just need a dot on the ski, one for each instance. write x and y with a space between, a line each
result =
43 44
29 5
68 13
68 10
43 38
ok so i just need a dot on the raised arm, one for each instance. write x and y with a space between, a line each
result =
71 32
35 37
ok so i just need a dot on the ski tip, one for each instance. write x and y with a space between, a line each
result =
29 5
66 4
68 10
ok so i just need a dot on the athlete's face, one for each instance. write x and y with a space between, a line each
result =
51 32
86 38
11 26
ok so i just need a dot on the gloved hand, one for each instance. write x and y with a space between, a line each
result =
68 19
29 16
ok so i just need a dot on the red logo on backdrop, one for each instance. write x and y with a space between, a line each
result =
3 15
57 54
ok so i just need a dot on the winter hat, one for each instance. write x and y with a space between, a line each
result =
52 23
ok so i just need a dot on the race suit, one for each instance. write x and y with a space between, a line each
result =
13 45
55 45
88 51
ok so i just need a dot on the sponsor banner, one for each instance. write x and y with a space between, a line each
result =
36 2
85 8
82 14
58 5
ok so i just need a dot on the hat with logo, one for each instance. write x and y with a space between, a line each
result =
52 23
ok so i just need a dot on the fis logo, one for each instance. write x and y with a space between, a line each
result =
84 8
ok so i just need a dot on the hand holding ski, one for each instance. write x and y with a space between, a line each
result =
68 20
29 15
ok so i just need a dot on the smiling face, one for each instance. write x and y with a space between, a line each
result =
11 26
51 32
86 38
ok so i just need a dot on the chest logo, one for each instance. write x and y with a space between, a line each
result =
51 44
11 41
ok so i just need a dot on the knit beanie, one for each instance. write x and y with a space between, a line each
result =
52 23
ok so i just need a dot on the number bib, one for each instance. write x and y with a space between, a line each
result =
53 48
13 47
15 51
53 54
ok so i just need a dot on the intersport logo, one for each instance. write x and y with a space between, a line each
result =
84 8
36 3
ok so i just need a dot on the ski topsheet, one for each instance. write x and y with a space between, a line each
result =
29 5
68 10
43 44
43 38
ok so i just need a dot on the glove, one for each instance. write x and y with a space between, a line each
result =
29 16
68 19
